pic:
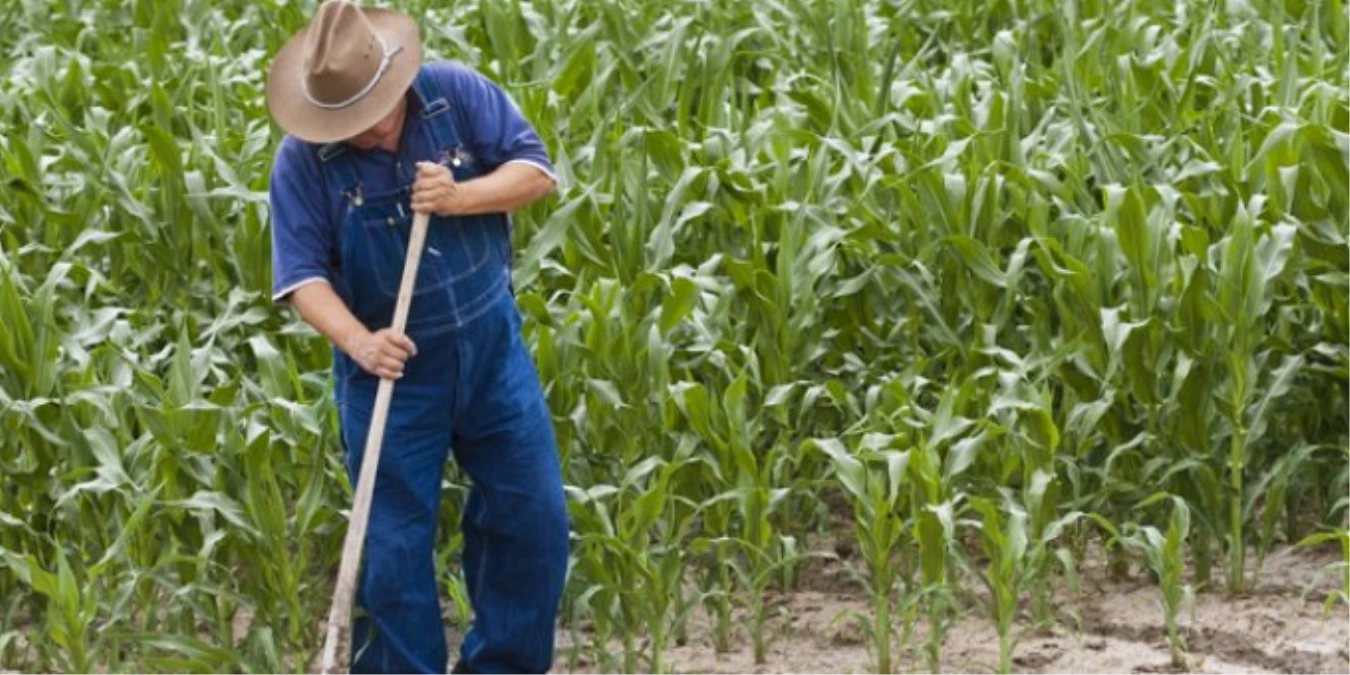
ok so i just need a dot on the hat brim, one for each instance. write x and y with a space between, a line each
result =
297 116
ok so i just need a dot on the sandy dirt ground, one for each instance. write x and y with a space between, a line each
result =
1109 627
1280 627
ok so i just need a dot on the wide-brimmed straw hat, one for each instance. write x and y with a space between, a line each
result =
343 72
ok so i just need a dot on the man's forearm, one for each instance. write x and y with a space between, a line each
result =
510 187
320 307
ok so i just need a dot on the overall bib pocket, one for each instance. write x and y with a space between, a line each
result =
455 248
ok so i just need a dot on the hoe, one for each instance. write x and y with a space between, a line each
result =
336 646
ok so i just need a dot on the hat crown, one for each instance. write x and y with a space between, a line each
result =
342 54
343 72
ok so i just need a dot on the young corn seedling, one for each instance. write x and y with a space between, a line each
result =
1342 536
874 480
1041 495
756 568
764 554
716 573
1022 417
1014 562
1165 556
757 558
69 611
935 498
633 556
1004 541
934 529
741 542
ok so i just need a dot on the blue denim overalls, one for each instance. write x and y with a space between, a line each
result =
472 387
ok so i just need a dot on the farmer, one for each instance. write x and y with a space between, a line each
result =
374 135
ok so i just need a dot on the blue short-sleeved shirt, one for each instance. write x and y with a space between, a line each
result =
307 211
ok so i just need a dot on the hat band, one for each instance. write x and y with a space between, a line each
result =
385 61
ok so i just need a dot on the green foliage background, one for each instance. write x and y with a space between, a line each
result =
959 272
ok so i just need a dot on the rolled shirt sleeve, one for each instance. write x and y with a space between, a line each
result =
302 236
496 130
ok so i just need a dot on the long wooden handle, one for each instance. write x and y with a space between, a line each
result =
336 645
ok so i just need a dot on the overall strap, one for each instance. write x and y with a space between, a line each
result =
334 157
440 124
436 116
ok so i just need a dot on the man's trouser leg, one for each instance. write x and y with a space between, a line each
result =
397 625
515 521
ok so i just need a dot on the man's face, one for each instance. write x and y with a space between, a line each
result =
385 133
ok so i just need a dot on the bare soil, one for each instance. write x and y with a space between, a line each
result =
1109 627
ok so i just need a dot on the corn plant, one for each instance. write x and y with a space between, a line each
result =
1165 557
637 581
874 480
935 532
936 483
1342 536
1014 561
1082 251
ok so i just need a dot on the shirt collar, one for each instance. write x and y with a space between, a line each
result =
415 102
